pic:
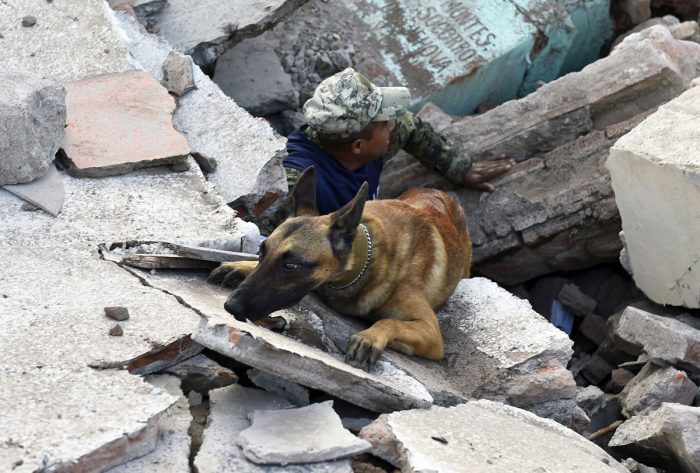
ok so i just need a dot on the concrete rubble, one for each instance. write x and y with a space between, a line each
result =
205 29
304 435
666 339
201 374
654 385
481 436
229 416
667 438
556 210
34 113
653 168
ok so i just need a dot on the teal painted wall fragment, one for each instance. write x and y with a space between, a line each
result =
462 53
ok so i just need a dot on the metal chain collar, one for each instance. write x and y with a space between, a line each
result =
364 268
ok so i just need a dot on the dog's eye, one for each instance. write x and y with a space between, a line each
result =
290 266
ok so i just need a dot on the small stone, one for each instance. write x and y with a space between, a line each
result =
28 21
116 331
27 207
117 313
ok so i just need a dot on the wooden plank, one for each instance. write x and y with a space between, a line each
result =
209 254
166 262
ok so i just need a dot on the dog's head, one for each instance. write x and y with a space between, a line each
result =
304 252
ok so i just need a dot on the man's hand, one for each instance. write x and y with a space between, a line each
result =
483 171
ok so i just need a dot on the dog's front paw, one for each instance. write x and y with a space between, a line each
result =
364 349
227 274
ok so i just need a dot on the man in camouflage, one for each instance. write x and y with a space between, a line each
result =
354 127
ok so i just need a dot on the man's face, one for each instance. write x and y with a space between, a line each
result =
376 147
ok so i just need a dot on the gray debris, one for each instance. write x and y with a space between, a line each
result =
295 393
251 74
46 192
663 338
305 435
668 438
202 374
117 313
654 385
33 114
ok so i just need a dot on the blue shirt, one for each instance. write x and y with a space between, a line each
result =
335 185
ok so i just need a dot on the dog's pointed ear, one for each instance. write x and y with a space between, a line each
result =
302 200
345 221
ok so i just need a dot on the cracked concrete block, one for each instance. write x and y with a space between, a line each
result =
172 451
654 385
663 338
305 435
119 122
667 438
244 147
651 169
205 29
230 409
252 75
202 374
71 58
386 390
482 436
33 113
100 419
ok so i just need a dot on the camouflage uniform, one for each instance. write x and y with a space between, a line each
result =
346 103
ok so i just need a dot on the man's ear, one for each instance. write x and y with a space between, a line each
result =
345 221
302 201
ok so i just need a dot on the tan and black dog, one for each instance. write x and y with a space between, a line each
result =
390 261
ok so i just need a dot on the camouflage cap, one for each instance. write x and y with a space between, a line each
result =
347 102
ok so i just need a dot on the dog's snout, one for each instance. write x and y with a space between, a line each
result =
235 307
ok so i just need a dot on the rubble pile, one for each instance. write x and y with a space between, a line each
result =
112 366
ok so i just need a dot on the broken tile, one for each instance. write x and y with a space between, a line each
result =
46 192
305 435
482 436
118 122
230 408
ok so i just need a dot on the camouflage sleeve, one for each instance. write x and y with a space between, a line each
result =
420 140
268 224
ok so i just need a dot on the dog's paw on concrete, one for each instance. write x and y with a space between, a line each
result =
227 274
363 351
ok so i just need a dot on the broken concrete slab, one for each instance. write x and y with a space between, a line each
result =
71 58
651 169
205 29
172 451
556 210
481 436
61 326
252 75
202 374
230 408
33 113
667 438
284 357
654 385
119 122
248 168
304 435
666 339
46 192
100 419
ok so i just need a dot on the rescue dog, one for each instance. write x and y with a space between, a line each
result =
390 261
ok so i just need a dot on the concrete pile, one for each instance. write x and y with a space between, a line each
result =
556 210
